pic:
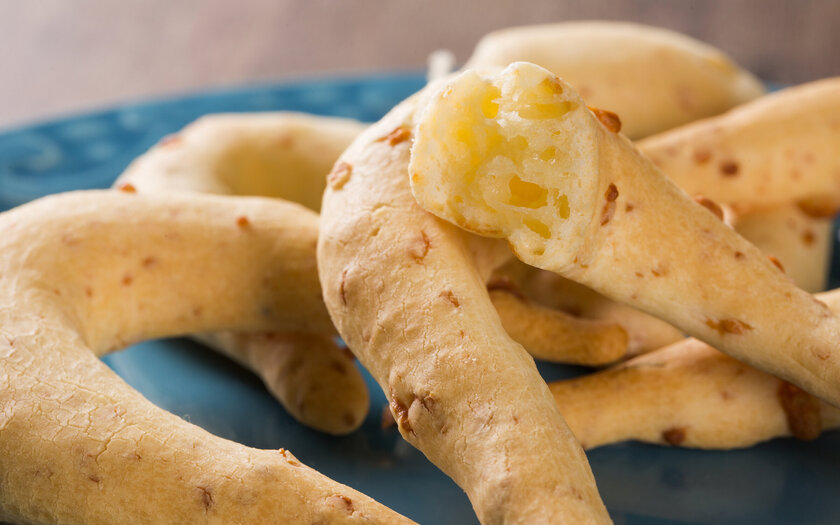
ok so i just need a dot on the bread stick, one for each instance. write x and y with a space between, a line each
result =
519 156
407 294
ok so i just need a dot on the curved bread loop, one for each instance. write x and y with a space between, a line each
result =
287 155
644 332
408 296
552 335
690 395
519 156
653 78
311 375
284 155
85 273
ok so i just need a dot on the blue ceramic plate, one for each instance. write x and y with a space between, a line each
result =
780 482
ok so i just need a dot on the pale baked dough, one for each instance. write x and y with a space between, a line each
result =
519 156
689 394
287 155
552 335
645 332
86 273
284 155
800 242
779 149
654 79
407 292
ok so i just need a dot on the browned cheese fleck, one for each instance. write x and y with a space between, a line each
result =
341 290
674 436
802 411
710 205
808 238
702 156
609 206
288 457
127 187
398 135
420 249
818 208
339 175
243 222
776 262
608 119
428 402
206 496
450 296
728 326
729 168
400 412
341 502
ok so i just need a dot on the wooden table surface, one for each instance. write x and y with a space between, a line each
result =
59 56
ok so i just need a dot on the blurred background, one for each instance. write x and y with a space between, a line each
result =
60 56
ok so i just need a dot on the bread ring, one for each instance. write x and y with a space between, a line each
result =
590 207
407 293
284 155
88 272
689 394
653 78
